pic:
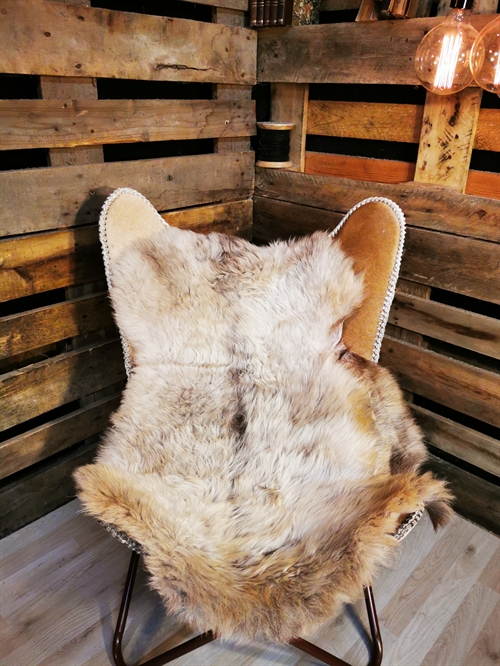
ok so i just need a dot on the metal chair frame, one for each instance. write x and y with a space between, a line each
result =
203 639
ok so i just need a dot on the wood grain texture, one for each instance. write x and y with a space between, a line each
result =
43 386
389 122
483 184
463 387
55 569
424 206
444 322
359 168
50 260
29 448
463 265
36 38
290 103
337 5
458 440
233 218
42 326
241 5
41 199
486 647
447 138
364 52
54 124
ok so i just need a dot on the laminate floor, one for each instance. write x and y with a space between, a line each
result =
62 577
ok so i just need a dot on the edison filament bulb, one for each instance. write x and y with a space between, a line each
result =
442 58
485 57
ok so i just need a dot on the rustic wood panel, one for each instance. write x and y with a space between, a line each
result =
50 260
475 499
483 184
444 322
43 386
50 123
33 329
423 206
36 38
389 122
42 490
35 445
289 103
371 52
241 5
40 199
337 5
463 265
460 441
234 218
363 120
458 385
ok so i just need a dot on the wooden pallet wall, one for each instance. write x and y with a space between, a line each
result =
443 340
60 357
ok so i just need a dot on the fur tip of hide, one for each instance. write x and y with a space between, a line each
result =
440 513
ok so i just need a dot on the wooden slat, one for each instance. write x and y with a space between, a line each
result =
337 5
42 490
462 265
39 199
371 52
359 168
64 40
33 329
483 184
234 218
51 260
54 124
363 120
475 499
423 206
289 103
241 5
43 386
389 122
443 322
458 440
35 445
458 385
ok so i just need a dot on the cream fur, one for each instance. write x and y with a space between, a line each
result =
261 468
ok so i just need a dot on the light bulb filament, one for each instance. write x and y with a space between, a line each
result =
448 59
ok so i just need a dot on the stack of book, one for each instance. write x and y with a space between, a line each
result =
269 13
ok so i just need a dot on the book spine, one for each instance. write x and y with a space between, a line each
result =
273 13
253 12
267 10
281 13
260 13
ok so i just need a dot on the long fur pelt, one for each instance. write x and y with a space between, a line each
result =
262 467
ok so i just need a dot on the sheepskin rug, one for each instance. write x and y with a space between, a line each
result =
261 465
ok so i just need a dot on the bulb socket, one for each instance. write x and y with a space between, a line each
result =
461 4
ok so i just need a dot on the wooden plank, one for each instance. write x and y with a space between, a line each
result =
275 220
36 38
475 499
359 168
35 445
234 218
444 322
448 130
51 260
462 265
241 5
33 329
43 386
43 490
289 103
424 206
51 124
483 184
389 122
363 52
458 440
463 387
363 120
40 199
338 5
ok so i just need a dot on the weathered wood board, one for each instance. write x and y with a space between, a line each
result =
69 123
69 40
42 199
423 206
371 52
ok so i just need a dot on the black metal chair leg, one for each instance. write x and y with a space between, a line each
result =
163 658
203 639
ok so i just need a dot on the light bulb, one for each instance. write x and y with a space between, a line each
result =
485 57
442 58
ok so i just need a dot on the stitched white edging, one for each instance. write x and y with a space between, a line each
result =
406 527
103 237
393 278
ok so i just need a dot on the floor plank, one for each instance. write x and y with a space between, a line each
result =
62 579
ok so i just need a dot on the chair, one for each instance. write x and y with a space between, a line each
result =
261 462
